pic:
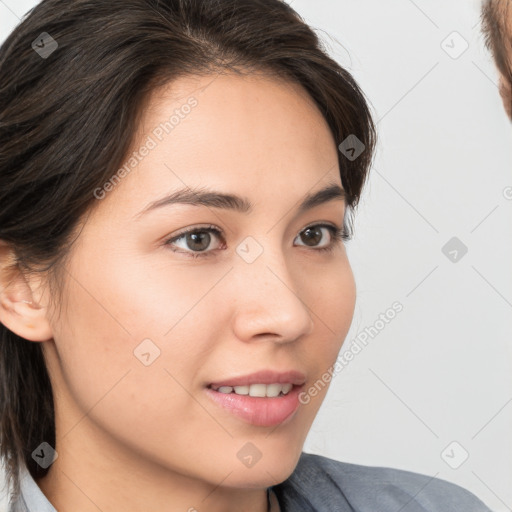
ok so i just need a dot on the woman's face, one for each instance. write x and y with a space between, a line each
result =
145 330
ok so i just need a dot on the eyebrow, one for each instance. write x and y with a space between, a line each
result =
214 199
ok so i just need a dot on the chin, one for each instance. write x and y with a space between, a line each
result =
265 473
266 477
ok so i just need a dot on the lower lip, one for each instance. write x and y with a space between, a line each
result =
259 411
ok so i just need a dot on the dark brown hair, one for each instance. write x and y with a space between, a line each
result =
67 120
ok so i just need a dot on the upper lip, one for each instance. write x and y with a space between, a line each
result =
263 377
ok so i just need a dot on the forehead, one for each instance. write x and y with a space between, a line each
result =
241 123
255 134
235 99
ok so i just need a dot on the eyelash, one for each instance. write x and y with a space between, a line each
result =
338 236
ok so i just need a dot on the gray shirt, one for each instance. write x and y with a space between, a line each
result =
321 484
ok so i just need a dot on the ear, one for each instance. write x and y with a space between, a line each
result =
20 311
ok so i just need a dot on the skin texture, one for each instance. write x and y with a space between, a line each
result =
133 437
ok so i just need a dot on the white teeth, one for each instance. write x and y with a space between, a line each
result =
258 390
286 388
273 389
242 390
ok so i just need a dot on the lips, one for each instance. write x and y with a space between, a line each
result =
294 377
259 411
262 411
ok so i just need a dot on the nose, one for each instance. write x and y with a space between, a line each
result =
267 301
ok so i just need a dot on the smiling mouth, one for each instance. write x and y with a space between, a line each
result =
256 390
263 405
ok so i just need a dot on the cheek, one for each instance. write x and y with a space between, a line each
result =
144 406
332 308
122 315
119 299
332 303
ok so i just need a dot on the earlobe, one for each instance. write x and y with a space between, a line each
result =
19 312
24 318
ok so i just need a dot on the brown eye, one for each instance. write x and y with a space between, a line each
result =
196 240
312 236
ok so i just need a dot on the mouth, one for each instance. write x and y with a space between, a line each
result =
262 405
259 390
262 377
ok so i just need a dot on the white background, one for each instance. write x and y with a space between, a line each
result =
441 370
